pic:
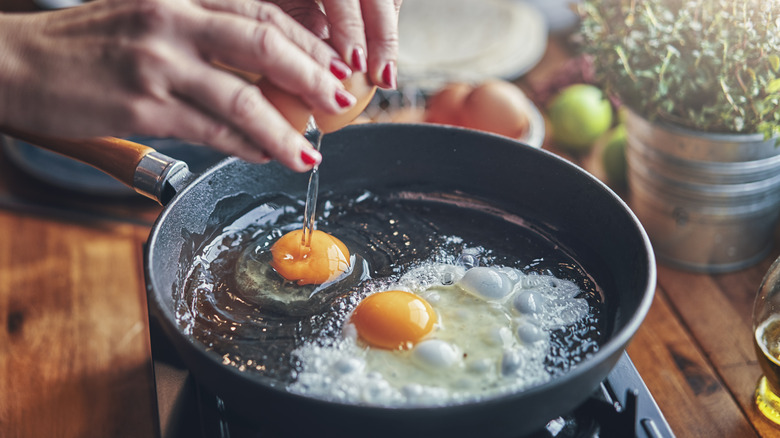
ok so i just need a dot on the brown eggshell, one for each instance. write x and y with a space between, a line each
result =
291 107
360 87
445 106
497 106
297 112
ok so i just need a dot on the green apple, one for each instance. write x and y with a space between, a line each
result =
579 114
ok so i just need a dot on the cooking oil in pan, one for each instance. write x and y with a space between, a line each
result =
256 326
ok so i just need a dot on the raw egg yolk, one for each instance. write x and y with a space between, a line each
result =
323 260
393 320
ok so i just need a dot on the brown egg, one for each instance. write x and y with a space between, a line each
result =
297 112
497 106
291 107
359 86
445 106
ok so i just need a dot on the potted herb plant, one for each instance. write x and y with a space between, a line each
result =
698 80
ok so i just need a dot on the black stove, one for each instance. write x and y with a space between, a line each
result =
621 407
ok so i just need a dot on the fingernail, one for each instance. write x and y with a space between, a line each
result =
389 76
310 157
340 69
344 99
359 59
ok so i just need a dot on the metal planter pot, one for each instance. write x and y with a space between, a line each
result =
709 202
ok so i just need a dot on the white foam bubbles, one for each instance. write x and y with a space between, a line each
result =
492 337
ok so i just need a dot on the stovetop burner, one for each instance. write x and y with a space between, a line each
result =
621 407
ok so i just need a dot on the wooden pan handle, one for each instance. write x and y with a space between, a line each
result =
114 156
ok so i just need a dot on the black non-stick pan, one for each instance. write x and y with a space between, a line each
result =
581 214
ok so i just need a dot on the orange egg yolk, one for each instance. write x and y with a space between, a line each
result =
393 319
323 260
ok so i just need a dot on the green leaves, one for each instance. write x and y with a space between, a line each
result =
773 86
774 61
712 65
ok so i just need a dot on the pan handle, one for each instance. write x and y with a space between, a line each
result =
149 172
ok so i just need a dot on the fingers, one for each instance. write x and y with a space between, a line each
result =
238 120
309 14
347 33
235 117
365 33
144 67
268 13
381 21
281 49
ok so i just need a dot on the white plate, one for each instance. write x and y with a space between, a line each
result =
536 128
469 40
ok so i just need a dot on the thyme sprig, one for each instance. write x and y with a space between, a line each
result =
709 65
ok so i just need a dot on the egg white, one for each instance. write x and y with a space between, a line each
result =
491 337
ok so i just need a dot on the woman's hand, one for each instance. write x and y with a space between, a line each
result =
364 32
147 67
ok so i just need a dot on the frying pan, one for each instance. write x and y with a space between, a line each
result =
581 213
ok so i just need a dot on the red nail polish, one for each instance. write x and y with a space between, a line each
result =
359 59
340 69
310 156
344 99
388 75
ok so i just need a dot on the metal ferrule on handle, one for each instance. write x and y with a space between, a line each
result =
159 176
138 166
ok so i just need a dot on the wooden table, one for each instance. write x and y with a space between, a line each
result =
74 341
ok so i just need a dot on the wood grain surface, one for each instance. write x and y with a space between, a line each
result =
74 342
